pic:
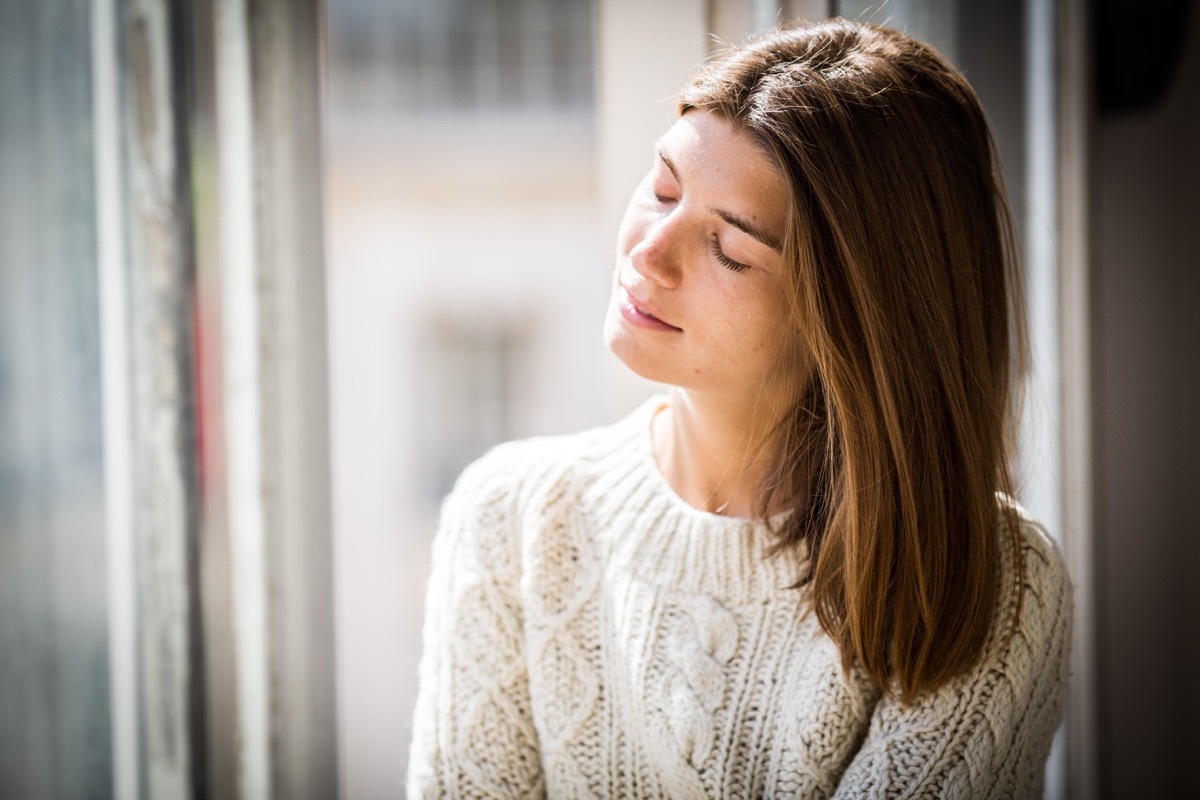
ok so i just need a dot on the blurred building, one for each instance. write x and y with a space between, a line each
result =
468 277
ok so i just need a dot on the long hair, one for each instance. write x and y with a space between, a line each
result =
908 312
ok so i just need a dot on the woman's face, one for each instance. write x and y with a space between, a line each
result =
698 292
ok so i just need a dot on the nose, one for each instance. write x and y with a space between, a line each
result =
656 256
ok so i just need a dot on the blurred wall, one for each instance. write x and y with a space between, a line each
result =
1148 533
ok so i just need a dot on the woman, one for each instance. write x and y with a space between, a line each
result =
797 575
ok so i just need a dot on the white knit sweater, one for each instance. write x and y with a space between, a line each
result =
589 634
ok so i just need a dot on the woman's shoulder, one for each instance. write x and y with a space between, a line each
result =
1038 609
1042 559
541 464
526 493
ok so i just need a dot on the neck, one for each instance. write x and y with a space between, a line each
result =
714 452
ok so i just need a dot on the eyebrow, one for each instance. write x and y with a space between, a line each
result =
744 226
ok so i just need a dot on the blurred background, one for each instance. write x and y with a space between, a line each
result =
468 276
273 271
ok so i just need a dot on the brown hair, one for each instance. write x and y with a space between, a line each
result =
908 310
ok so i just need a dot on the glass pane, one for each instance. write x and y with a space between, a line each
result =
54 676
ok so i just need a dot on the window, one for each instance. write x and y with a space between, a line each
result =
461 56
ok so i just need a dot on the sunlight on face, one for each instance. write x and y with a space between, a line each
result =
698 291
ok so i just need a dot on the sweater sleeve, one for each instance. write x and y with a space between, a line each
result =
988 732
473 733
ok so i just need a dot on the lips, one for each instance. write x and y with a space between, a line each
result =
639 313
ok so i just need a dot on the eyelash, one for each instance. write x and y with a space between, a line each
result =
714 244
725 260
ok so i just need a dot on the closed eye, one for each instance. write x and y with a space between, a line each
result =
719 254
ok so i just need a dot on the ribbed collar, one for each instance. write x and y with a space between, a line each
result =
650 532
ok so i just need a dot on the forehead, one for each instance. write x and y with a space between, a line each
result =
718 158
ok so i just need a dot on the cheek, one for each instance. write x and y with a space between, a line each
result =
737 330
633 224
768 328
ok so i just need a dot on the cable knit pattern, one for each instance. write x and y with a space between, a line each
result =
699 651
590 635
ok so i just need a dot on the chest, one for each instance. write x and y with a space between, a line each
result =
640 689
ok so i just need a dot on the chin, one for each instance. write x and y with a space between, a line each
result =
644 365
625 345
